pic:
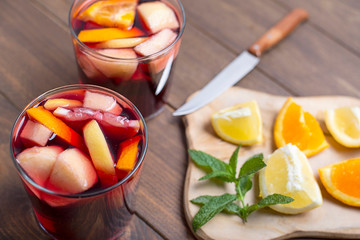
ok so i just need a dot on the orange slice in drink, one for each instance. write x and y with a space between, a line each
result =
342 181
106 34
56 125
111 13
293 125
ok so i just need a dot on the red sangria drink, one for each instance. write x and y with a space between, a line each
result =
79 151
129 46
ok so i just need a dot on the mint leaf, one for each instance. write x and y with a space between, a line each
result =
217 167
244 184
252 165
270 200
231 208
211 208
225 176
233 161
274 199
205 160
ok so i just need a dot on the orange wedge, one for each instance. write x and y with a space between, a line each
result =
106 34
342 181
128 156
60 128
111 13
300 128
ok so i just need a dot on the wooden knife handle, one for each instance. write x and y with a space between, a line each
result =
278 32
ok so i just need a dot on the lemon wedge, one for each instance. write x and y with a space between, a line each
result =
344 125
342 181
239 124
288 172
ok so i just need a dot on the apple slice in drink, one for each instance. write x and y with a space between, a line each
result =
38 162
73 172
119 127
54 103
100 153
35 134
89 68
128 153
121 43
156 43
157 16
98 101
122 65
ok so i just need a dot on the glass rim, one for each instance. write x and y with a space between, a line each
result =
101 191
143 58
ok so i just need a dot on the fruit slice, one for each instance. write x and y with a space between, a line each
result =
89 68
73 172
342 181
100 153
300 128
106 34
119 127
62 130
288 172
98 101
156 43
38 162
239 124
344 125
52 104
76 118
111 13
157 16
128 153
121 43
123 67
35 134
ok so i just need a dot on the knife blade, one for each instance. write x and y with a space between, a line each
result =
244 63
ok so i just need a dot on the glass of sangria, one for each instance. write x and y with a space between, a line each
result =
129 46
79 150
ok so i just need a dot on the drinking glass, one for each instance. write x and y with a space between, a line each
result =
98 213
144 80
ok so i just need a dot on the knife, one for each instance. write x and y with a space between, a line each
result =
244 63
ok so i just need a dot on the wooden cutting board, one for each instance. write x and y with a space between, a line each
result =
332 220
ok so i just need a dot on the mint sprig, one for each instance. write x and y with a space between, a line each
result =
227 203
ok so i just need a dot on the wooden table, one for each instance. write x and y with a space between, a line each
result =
322 57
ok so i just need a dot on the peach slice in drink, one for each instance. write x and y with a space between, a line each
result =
111 13
54 103
100 153
60 128
98 101
128 153
157 16
35 134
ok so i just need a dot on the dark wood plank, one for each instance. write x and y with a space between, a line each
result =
160 194
58 9
338 19
36 54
